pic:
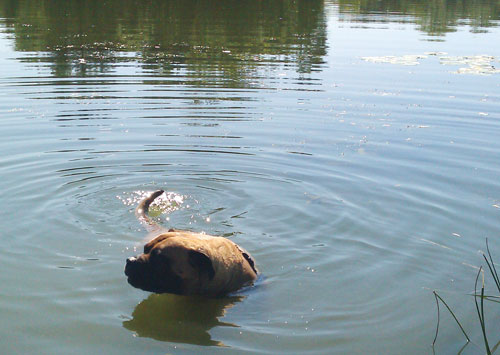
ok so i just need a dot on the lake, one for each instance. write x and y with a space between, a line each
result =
352 147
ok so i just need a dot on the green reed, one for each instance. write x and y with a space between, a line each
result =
479 305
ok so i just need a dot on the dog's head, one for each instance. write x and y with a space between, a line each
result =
167 266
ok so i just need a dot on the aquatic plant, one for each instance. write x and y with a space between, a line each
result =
479 304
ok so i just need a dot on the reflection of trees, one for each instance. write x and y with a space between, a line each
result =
233 36
434 17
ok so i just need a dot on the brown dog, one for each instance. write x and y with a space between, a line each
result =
187 263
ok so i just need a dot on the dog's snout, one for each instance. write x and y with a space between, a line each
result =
130 265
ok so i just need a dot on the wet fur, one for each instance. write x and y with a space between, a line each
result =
188 263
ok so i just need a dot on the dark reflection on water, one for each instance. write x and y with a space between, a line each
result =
180 319
166 36
435 17
172 37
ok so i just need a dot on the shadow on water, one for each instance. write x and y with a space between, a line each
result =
180 319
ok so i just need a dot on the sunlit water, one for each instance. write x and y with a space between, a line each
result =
354 152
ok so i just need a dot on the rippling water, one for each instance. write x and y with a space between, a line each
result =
351 147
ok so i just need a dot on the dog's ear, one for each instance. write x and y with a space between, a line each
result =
202 263
250 261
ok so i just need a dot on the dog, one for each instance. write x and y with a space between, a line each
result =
188 263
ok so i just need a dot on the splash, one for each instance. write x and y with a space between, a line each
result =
165 203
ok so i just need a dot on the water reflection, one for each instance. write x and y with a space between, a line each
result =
180 319
86 39
236 38
436 17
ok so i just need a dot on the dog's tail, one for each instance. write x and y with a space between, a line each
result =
141 212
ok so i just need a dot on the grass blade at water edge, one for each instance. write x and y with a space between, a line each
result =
451 312
491 266
480 311
495 348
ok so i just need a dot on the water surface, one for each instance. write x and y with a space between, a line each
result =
351 146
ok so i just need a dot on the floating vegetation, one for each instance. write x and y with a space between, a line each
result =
410 59
476 64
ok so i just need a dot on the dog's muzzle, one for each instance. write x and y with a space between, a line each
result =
130 266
